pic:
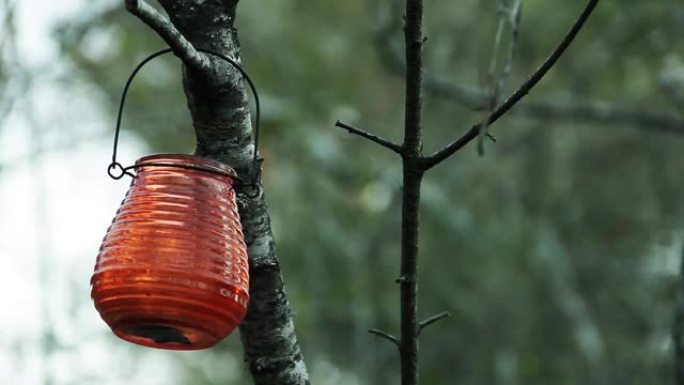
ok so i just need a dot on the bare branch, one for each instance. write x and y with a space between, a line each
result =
385 335
518 95
179 44
510 16
435 318
493 82
556 110
514 18
476 99
373 138
606 113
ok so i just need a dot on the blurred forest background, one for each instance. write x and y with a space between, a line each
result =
557 252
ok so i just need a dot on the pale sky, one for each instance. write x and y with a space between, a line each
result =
57 209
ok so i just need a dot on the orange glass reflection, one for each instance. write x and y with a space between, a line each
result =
172 270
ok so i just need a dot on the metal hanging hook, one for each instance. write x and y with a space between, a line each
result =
117 171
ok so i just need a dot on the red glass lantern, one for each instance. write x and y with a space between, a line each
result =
172 270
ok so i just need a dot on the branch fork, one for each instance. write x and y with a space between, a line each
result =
441 155
172 36
386 336
435 318
430 161
372 137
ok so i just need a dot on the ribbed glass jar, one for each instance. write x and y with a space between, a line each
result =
172 270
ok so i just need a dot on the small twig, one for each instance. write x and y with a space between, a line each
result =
423 324
439 156
386 336
512 17
491 82
167 31
373 138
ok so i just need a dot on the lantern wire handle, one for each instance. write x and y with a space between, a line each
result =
117 171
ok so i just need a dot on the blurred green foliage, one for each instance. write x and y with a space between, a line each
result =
553 252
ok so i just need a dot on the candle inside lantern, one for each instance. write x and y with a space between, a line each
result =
172 270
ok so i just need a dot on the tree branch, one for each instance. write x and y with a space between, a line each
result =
373 138
491 83
590 112
518 95
414 41
435 318
514 15
601 112
166 30
496 83
386 336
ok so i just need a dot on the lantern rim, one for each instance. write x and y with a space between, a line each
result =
187 161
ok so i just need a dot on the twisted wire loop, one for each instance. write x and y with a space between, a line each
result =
116 170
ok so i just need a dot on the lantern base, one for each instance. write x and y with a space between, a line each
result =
165 335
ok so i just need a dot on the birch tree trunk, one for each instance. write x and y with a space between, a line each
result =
219 106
